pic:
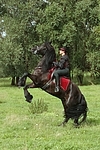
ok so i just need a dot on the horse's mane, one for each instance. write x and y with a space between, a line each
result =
50 57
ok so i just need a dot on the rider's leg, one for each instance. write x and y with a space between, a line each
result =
64 72
57 84
57 74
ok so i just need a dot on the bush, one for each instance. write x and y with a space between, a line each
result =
38 106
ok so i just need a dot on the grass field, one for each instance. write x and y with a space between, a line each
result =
22 130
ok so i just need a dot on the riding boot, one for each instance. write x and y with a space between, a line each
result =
57 84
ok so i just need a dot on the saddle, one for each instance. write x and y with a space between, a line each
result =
64 81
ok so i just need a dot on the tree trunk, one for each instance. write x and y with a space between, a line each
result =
13 81
17 80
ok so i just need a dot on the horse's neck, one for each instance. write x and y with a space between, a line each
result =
43 65
41 74
40 64
40 78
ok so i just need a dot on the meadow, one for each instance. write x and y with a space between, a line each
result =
22 130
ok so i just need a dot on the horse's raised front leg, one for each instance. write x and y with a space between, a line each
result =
22 80
27 95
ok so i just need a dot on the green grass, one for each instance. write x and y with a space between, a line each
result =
22 130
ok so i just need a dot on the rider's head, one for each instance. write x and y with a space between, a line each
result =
63 50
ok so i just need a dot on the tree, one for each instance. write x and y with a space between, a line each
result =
93 54
70 23
19 24
73 23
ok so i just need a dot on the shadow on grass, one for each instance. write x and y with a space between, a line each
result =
1 102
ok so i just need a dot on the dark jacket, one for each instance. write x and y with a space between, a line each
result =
62 63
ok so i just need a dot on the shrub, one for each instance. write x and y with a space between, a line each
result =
38 106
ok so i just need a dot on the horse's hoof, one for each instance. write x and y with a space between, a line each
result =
29 101
29 98
76 125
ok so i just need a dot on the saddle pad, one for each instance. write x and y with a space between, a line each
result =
64 82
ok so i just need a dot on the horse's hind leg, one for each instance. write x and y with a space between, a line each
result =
80 119
65 120
76 122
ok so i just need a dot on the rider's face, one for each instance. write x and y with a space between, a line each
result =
61 52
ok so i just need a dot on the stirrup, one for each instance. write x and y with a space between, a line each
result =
57 89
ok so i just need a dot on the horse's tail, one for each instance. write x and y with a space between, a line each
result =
82 107
83 117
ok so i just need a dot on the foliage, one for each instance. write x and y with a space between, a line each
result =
20 36
93 55
66 23
70 23
38 106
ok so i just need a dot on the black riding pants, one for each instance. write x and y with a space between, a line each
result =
60 72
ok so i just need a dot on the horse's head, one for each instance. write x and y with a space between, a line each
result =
47 51
40 50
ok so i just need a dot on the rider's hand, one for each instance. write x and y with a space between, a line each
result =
55 64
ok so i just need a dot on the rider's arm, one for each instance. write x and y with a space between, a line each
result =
64 62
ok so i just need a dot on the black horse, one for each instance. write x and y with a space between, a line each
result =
74 103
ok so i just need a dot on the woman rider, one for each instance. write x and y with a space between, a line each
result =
62 67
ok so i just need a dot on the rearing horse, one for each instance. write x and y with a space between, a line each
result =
73 101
